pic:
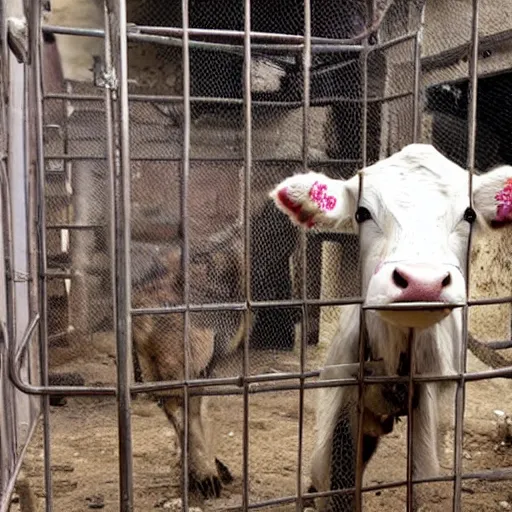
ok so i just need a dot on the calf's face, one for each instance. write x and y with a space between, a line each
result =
413 217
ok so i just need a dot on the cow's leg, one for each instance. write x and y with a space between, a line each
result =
425 439
206 473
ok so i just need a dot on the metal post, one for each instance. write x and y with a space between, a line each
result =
185 178
36 82
461 387
247 101
418 47
122 276
304 241
361 383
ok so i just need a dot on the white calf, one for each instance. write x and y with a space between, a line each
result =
413 217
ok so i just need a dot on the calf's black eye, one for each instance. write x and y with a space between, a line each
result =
470 215
362 214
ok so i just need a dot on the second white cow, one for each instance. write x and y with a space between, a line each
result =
413 218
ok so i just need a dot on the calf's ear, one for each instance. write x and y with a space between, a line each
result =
314 200
492 195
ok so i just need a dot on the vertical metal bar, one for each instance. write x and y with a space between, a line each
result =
123 264
410 425
36 76
10 305
304 240
418 47
186 242
31 218
364 158
461 387
247 101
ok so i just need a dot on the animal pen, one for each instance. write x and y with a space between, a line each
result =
137 128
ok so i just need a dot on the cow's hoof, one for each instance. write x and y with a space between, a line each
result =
209 487
225 475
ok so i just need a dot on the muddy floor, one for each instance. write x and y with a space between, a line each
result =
84 446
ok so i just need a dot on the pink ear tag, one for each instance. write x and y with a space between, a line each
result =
318 195
504 198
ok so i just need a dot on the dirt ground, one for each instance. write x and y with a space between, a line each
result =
84 446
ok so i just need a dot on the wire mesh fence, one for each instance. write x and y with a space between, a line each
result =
169 280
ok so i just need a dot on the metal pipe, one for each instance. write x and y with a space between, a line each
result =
247 101
417 104
491 475
116 20
37 84
304 242
314 102
140 33
327 46
317 163
359 468
461 387
241 306
239 382
410 422
10 334
185 179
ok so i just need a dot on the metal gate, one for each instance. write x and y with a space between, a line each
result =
122 168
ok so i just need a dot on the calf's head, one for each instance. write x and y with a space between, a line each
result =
413 217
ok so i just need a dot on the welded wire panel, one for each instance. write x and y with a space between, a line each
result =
224 292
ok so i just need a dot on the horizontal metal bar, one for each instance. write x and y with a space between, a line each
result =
204 386
413 306
327 161
228 48
239 382
59 275
237 34
170 35
15 357
488 474
255 381
76 226
411 36
241 306
315 102
498 345
491 301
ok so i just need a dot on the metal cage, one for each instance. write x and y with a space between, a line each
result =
163 129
